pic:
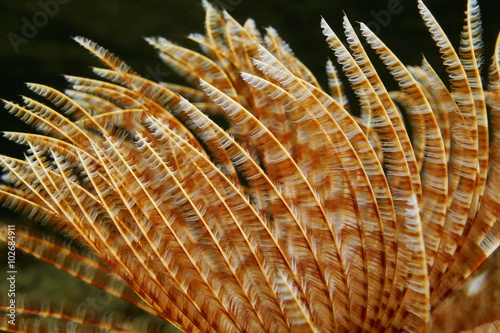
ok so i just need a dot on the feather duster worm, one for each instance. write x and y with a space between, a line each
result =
255 201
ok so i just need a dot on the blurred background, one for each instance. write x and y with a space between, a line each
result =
36 46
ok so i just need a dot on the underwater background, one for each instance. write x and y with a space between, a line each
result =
36 46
